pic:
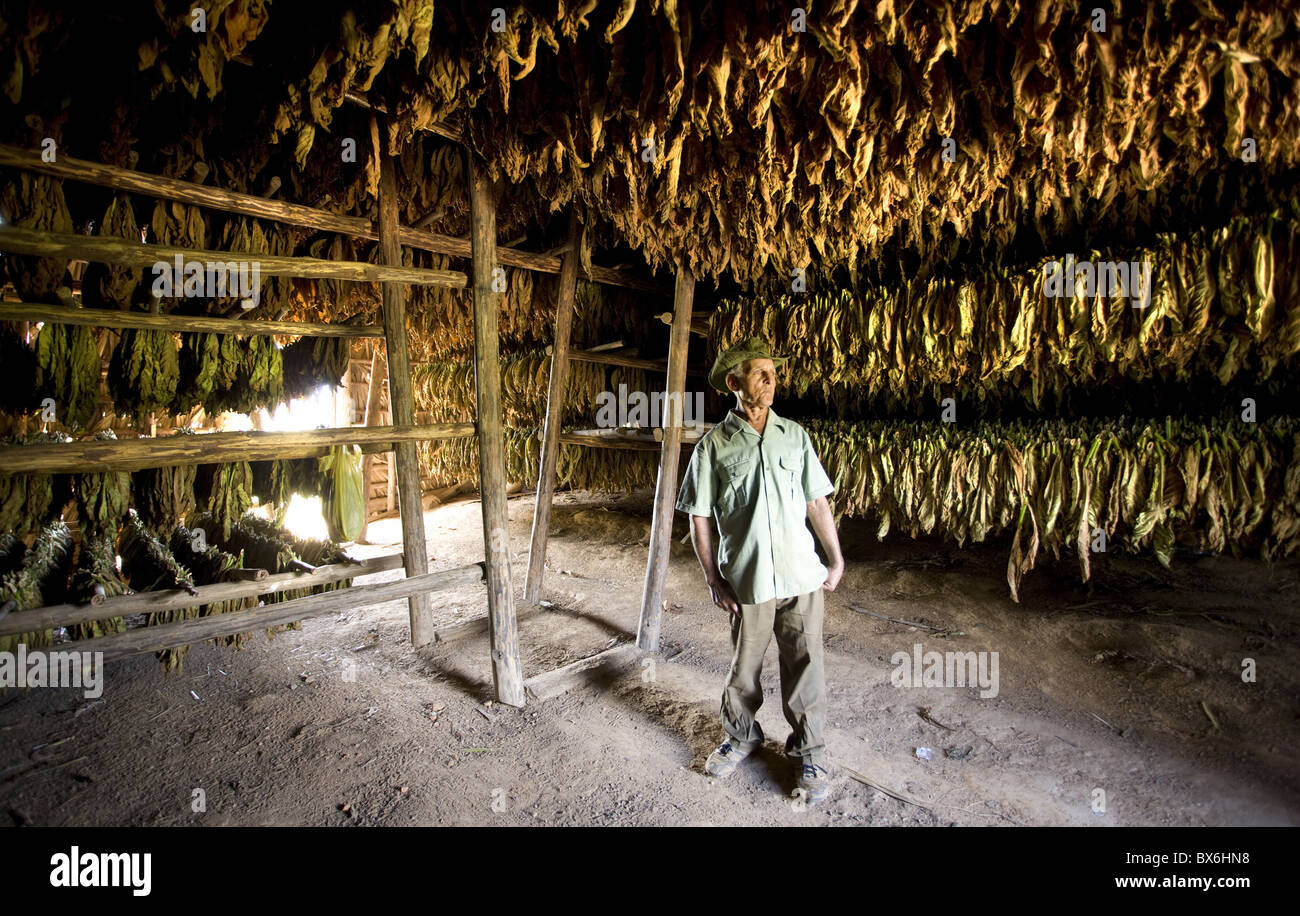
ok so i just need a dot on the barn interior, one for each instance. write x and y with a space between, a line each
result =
313 318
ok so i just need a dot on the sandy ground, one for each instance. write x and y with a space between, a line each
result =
1105 693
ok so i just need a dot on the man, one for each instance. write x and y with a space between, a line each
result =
757 475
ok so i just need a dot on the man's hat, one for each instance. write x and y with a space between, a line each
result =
750 348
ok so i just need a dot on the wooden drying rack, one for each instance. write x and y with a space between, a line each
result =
401 437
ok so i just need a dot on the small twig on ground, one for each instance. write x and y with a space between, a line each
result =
879 788
43 768
924 713
909 623
1103 722
86 708
1079 607
995 814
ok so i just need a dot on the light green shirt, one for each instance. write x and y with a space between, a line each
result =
757 489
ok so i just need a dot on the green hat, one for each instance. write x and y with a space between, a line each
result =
750 348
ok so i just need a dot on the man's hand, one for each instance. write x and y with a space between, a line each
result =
834 573
823 524
719 590
724 597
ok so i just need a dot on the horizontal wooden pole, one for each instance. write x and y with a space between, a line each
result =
66 615
691 433
198 629
630 362
613 359
559 680
641 445
513 257
295 214
109 176
112 250
699 325
612 345
116 318
604 431
437 127
475 626
96 455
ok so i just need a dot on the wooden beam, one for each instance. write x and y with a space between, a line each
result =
401 403
66 615
527 260
375 448
88 456
623 442
613 359
374 389
661 525
437 127
616 345
295 214
631 362
116 318
390 484
554 414
699 324
477 626
506 671
690 435
109 249
120 179
198 629
560 680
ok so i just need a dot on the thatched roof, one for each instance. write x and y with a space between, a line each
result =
773 147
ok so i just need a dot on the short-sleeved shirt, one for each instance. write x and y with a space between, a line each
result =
757 489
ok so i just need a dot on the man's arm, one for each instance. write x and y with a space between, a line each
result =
702 541
823 524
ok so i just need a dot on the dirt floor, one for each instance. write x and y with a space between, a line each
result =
1131 686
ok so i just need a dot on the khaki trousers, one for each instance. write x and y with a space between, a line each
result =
797 623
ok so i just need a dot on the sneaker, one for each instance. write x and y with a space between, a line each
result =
723 761
815 780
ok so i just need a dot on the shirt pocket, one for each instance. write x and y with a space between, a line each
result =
734 478
791 475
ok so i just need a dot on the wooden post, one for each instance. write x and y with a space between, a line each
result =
378 369
506 671
375 388
661 526
401 403
390 491
554 415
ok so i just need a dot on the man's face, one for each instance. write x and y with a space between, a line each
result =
754 382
